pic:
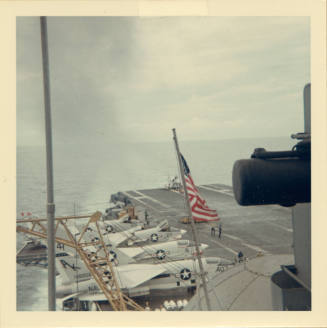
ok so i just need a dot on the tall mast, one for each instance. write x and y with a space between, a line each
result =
50 198
194 232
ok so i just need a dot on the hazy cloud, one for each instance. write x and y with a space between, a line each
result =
130 78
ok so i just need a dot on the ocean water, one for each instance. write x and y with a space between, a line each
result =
86 175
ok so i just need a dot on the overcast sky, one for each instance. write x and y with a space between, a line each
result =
134 79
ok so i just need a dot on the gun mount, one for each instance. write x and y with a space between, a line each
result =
284 178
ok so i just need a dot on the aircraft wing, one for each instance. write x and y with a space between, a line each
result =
119 237
123 218
132 275
92 297
132 251
143 235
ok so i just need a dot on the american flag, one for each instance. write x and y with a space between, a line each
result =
200 210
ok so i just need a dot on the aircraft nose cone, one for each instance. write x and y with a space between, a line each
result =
62 291
204 246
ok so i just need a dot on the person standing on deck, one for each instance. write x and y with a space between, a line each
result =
213 231
219 231
146 217
240 257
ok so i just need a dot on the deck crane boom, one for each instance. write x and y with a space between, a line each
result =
98 261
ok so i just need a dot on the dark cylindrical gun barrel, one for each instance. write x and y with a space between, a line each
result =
284 181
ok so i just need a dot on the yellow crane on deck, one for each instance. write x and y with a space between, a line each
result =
100 266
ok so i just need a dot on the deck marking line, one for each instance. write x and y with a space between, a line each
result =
232 237
145 204
224 191
279 226
148 205
151 198
256 248
223 246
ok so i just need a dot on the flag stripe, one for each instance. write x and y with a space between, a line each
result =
195 204
204 219
200 209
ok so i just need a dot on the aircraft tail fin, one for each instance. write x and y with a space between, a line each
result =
117 256
163 225
69 267
123 257
72 268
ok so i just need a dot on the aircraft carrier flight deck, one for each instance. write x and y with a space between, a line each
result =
254 230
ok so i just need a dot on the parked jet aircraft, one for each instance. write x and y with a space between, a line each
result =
168 251
133 279
156 234
135 235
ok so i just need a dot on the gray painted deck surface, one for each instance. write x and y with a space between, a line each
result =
263 233
264 229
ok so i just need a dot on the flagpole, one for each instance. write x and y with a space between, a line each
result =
194 232
50 198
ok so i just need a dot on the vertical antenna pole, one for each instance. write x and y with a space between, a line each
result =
50 200
202 274
307 108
